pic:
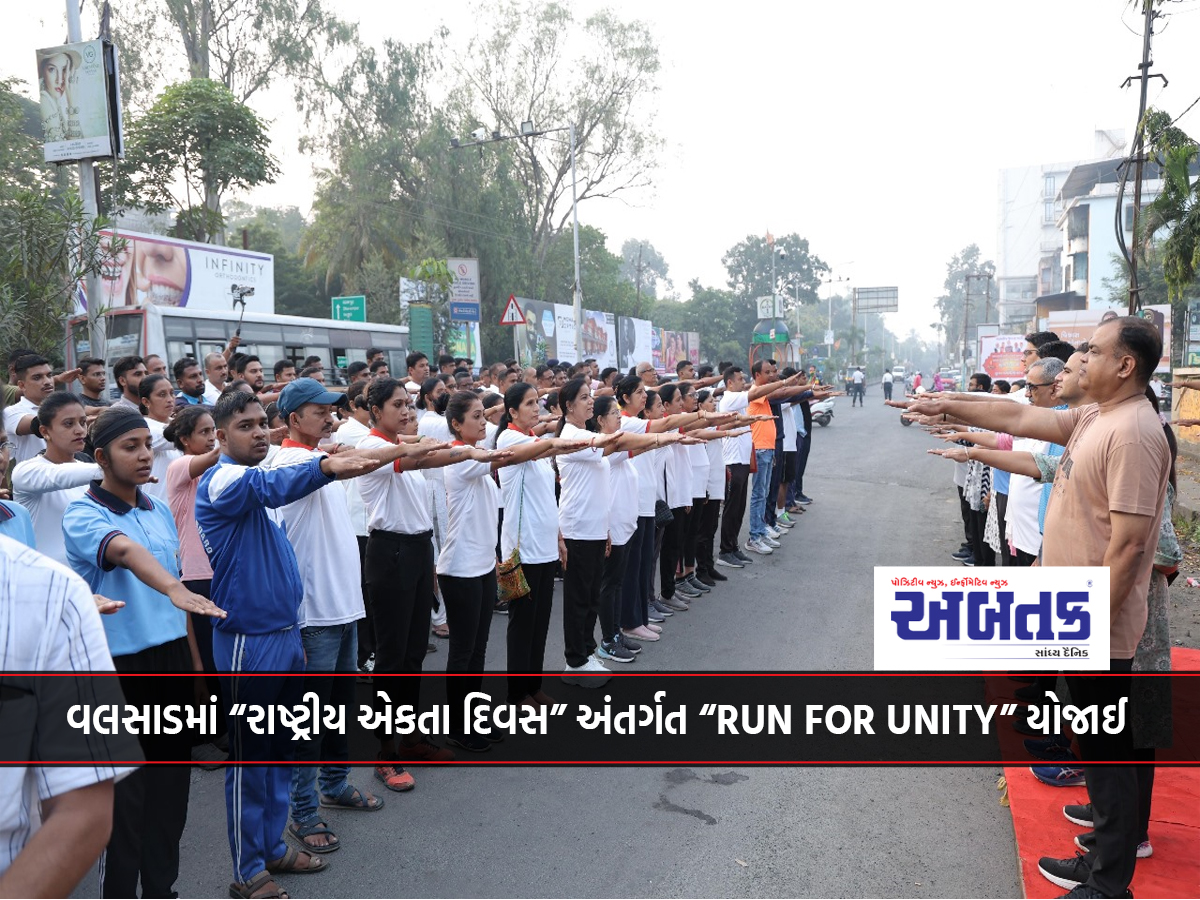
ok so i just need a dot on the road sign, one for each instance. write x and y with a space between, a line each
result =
464 290
512 314
464 311
349 309
877 299
828 337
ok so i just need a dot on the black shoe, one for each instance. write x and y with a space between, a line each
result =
1065 873
705 578
969 561
501 607
960 554
1021 726
472 743
694 581
745 557
715 575
430 648
1087 892
1079 814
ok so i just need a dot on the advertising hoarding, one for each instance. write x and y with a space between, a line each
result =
79 97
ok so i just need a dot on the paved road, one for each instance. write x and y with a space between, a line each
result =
680 832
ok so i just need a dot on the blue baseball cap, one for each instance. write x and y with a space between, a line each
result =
307 390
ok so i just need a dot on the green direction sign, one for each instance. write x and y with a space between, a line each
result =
349 309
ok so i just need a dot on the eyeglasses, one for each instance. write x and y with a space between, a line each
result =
9 446
1029 386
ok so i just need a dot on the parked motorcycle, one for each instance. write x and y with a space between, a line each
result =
822 411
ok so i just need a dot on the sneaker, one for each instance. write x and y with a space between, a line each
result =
1087 843
641 633
674 604
394 777
782 518
1079 814
423 751
707 580
695 582
969 561
804 500
683 586
755 545
1035 746
611 651
472 743
658 607
770 542
732 560
773 532
592 674
365 670
652 628
1058 776
627 641
960 554
1087 892
745 558
654 617
1065 873
713 575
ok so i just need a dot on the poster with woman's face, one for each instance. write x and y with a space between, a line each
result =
72 89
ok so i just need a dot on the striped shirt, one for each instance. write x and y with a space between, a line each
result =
48 623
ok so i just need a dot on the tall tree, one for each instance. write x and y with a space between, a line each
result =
966 271
1177 208
644 268
191 146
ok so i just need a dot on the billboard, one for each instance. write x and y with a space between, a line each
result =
464 290
537 338
599 338
462 340
1002 356
633 341
877 299
564 327
673 347
148 268
80 101
1076 326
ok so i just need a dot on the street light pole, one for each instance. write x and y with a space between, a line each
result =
577 291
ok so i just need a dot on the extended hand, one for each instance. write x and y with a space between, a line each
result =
107 607
68 376
958 454
348 464
190 602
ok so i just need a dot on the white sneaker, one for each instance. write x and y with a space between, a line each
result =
771 542
774 533
592 674
755 545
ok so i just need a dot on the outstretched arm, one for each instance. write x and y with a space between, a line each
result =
1001 415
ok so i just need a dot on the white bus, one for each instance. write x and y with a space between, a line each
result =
175 332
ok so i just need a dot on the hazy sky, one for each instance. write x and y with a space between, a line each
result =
874 129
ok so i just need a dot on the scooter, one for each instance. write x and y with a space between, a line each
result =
822 411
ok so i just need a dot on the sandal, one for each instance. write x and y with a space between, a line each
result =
441 631
301 832
289 863
257 887
352 798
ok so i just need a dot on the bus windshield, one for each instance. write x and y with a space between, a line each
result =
123 337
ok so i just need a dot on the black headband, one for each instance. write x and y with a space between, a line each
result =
113 424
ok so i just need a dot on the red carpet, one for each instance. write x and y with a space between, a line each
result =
1041 830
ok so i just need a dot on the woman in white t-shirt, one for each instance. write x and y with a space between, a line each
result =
466 566
431 423
617 645
710 520
583 521
531 527
46 484
157 401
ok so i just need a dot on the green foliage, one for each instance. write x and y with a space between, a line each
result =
1177 208
192 145
644 267
1154 291
952 305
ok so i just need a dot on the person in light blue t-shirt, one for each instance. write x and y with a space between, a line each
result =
124 545
15 521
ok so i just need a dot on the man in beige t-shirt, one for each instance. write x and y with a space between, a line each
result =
1104 509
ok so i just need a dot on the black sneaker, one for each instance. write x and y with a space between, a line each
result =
501 607
472 743
1087 843
704 578
969 561
1087 892
694 581
741 554
1079 814
960 554
732 560
715 575
1065 873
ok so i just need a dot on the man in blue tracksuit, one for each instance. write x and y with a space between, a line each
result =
256 581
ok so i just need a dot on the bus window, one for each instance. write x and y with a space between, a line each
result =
177 350
124 336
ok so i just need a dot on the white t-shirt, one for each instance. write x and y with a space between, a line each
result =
679 476
736 451
212 393
472 500
489 433
623 512
1024 497
887 378
26 446
585 496
645 465
528 494
46 489
165 453
789 427
858 377
350 432
48 623
319 529
395 500
698 457
716 469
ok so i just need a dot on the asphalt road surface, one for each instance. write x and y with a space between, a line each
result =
668 832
